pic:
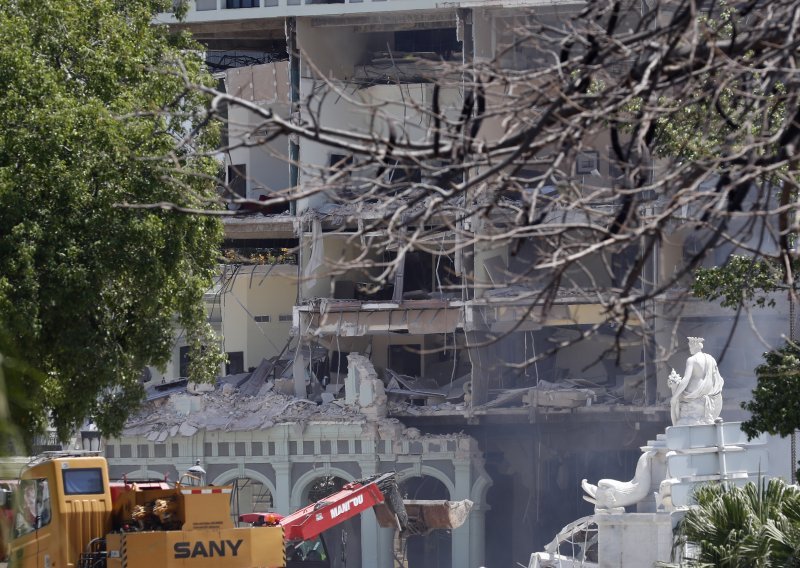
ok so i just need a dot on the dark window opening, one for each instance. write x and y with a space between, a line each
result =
233 4
338 362
405 175
339 162
442 42
587 163
222 113
237 181
417 274
183 364
235 364
324 487
272 50
406 359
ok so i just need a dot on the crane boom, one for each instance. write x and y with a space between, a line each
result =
352 500
379 493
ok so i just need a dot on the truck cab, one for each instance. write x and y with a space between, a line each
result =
68 515
61 505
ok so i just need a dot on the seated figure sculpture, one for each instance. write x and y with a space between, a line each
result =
697 396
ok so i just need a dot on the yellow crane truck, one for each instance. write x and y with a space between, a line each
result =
68 514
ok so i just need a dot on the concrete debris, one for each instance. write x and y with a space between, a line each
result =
226 409
229 408
545 394
562 398
363 388
511 397
165 389
402 407
428 392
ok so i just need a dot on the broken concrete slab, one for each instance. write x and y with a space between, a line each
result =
553 395
186 429
363 388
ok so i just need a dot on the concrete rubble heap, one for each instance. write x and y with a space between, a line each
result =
229 408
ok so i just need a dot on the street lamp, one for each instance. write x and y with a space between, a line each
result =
198 471
90 438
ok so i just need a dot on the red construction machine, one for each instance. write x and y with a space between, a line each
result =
302 530
68 514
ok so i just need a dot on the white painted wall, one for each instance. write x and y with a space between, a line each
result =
266 85
253 291
263 290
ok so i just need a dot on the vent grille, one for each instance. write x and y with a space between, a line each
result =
85 520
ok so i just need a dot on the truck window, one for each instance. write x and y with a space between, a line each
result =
83 481
310 553
32 509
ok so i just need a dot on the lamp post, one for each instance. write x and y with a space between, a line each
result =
90 438
197 471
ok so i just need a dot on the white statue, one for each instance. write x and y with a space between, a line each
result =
697 396
610 495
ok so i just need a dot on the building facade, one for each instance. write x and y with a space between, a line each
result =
301 305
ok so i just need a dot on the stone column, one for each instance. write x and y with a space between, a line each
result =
376 545
461 536
477 535
481 369
369 526
283 487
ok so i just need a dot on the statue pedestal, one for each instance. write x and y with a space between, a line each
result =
709 453
634 540
676 463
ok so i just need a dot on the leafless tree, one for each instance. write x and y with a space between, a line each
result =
625 122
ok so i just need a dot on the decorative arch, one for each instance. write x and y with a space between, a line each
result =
150 473
233 474
478 492
299 487
429 471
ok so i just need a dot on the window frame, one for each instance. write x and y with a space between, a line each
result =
66 472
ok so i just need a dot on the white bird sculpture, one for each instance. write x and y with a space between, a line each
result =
612 494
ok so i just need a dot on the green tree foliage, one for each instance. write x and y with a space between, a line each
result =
742 280
17 379
93 113
775 406
738 527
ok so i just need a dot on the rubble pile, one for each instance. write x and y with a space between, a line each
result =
248 402
226 409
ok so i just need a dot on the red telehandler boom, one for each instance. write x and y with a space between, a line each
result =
303 528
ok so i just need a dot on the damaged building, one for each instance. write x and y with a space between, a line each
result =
331 377
281 452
